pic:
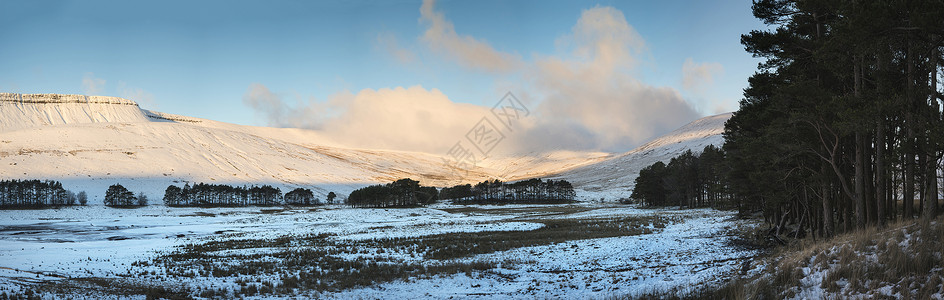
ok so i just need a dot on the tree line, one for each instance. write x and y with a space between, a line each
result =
49 193
841 126
35 193
221 195
526 191
401 193
689 180
119 196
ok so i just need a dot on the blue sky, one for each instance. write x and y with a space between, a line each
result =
199 58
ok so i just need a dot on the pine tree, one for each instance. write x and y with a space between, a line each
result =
847 93
331 196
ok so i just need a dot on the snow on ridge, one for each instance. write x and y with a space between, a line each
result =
614 178
169 117
22 111
63 98
701 128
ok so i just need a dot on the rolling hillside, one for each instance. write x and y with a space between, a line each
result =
615 177
90 142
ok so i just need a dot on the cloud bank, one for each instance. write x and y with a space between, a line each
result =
410 119
591 94
279 113
584 99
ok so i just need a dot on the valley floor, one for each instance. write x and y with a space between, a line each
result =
442 251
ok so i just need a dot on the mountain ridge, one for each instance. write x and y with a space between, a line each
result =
90 142
615 177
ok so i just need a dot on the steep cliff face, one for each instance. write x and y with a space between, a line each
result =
63 98
20 111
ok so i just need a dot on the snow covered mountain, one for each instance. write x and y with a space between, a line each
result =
32 110
91 142
615 177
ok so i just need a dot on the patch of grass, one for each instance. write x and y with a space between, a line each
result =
269 211
24 295
295 264
749 235
457 245
907 256
199 214
548 210
309 263
95 287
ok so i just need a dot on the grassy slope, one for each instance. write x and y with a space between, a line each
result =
904 260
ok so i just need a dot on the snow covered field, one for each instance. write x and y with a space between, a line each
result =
642 250
592 249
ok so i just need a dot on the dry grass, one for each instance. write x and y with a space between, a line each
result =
295 265
527 212
457 245
903 260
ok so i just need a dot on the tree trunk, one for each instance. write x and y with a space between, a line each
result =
930 201
860 182
930 198
869 179
860 179
827 208
880 199
908 143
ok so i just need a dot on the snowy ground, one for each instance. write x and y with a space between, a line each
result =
42 247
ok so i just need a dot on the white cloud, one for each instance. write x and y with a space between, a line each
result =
265 102
585 99
411 119
591 99
468 51
277 112
602 34
401 118
91 85
695 76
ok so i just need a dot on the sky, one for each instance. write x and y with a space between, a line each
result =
403 75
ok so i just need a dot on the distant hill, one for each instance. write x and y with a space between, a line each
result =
615 177
91 142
